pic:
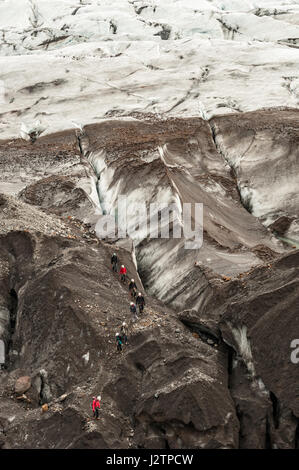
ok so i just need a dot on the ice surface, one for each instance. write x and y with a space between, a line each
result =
68 61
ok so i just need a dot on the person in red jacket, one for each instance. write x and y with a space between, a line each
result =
123 273
96 405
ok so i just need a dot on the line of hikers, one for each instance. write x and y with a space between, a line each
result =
121 337
139 300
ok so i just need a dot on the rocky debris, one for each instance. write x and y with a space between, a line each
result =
156 365
154 362
63 397
281 225
24 398
22 385
58 194
51 175
263 381
160 403
19 216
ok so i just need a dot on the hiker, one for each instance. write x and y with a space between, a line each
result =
114 260
133 288
118 342
140 302
123 332
96 405
133 310
123 273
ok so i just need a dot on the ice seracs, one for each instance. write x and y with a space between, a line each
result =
31 132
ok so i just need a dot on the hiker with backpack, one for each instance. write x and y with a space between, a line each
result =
140 302
96 405
114 261
118 342
133 288
133 310
123 273
123 333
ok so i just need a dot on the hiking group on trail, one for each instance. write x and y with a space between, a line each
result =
121 337
139 299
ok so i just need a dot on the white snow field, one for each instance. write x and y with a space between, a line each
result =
67 63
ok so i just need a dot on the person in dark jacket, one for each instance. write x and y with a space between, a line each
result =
133 288
124 333
140 302
96 405
118 342
114 261
133 310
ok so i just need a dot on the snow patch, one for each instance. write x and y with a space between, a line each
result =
243 343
